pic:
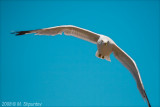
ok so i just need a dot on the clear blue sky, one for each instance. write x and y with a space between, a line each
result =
63 70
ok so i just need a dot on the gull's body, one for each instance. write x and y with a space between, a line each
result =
105 47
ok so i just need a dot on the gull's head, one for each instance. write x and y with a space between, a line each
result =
105 42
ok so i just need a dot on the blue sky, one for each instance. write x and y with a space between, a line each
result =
63 70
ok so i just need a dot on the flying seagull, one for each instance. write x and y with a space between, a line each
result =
105 47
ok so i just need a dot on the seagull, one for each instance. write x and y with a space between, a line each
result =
105 46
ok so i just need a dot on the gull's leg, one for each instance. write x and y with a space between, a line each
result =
102 57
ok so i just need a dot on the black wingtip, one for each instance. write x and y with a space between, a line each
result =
20 33
149 105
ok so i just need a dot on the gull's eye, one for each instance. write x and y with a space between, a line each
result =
105 44
102 41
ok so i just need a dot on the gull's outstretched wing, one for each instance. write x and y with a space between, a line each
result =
68 30
130 64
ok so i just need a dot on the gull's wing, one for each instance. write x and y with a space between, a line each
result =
130 64
68 30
